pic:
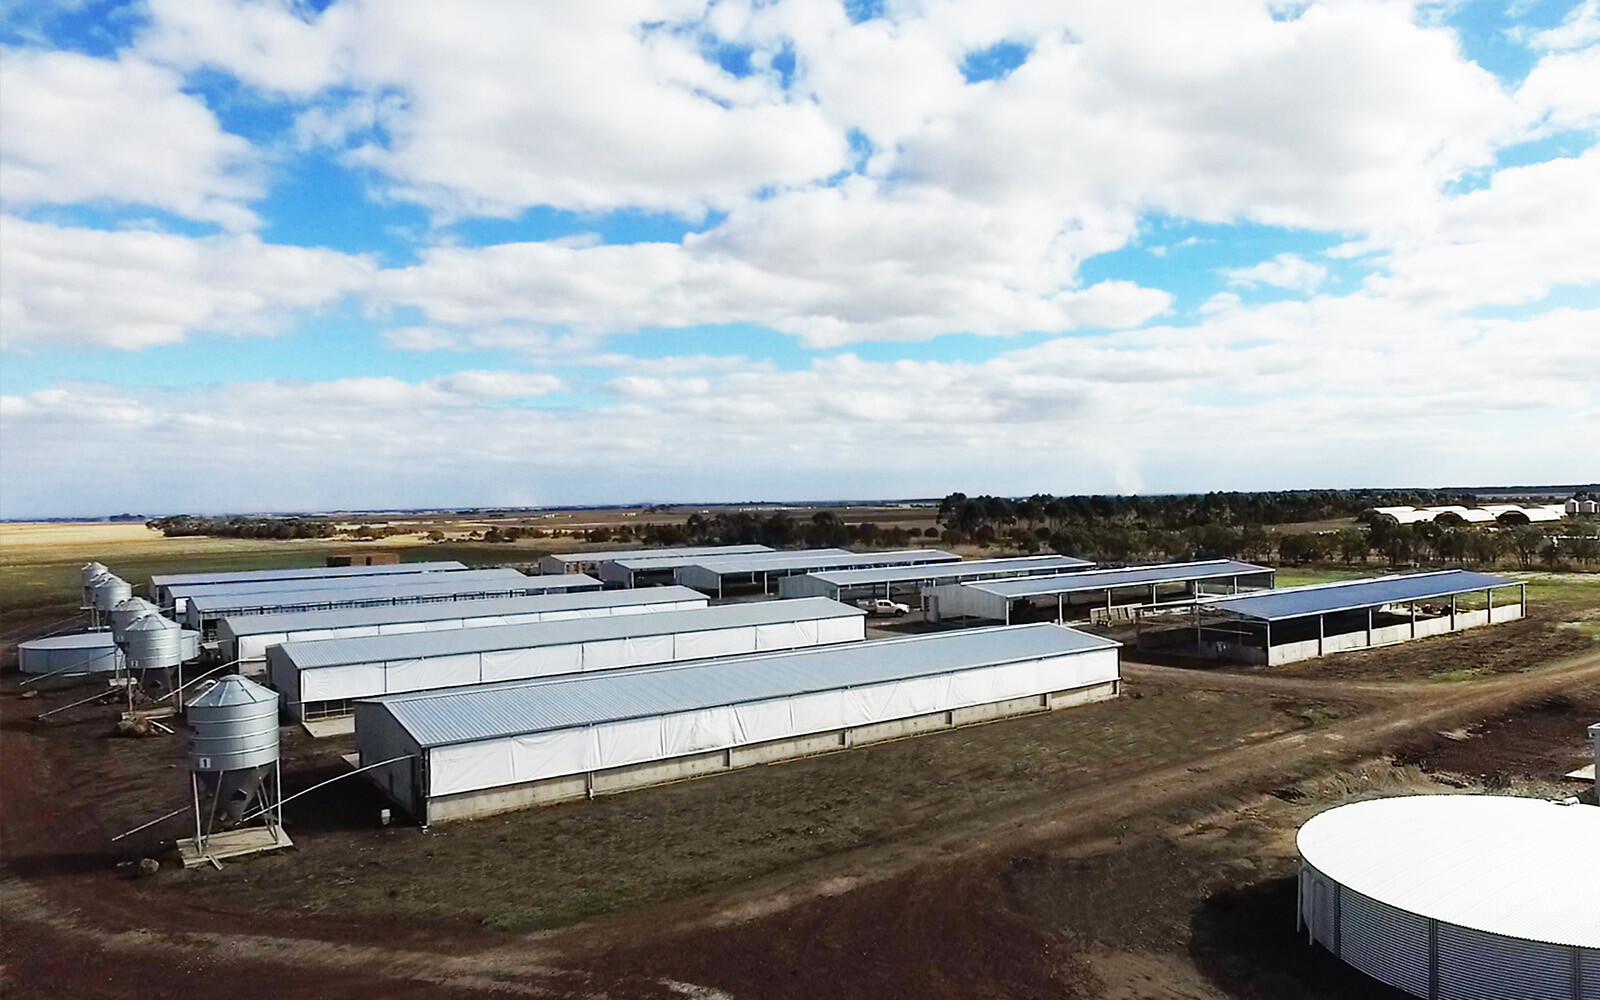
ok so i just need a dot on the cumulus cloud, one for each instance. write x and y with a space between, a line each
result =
1286 270
131 289
80 129
1415 397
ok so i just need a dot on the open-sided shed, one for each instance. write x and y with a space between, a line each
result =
1093 593
888 581
594 561
717 576
322 678
1298 623
482 750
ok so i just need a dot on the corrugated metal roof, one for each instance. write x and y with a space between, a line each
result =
822 559
1523 868
415 645
512 708
77 640
467 582
191 590
689 550
1353 595
972 568
311 572
488 608
1132 576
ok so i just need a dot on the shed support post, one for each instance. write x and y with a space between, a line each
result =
1369 627
1269 643
1489 596
1413 619
1152 593
1322 632
1061 609
1522 598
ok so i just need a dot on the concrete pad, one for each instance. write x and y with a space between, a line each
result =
344 725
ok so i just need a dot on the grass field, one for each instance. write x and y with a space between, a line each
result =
39 563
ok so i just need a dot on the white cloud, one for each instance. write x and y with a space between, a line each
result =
1563 90
1286 270
492 106
1580 27
133 289
79 129
1415 397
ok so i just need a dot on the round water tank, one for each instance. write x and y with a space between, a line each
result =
153 643
109 591
84 653
234 724
127 612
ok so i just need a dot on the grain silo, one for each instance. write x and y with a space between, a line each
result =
234 772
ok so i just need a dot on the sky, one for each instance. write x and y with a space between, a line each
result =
264 255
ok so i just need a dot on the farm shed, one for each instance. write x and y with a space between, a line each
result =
657 568
1457 896
888 581
320 679
493 748
716 576
171 588
247 637
1092 593
591 562
1298 623
467 585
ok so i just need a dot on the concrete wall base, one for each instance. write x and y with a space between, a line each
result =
1388 635
488 802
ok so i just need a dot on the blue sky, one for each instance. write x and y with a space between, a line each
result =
387 255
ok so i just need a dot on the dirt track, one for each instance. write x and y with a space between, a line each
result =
934 914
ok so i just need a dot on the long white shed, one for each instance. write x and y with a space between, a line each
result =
246 638
492 748
171 589
322 678
204 612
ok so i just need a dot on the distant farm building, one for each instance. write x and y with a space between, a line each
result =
720 574
594 562
1504 513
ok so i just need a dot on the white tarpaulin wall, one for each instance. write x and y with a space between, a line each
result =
254 647
393 676
470 767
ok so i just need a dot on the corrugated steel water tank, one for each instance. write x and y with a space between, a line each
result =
127 612
1458 897
234 724
153 643
85 653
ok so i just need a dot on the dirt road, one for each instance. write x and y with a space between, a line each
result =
922 916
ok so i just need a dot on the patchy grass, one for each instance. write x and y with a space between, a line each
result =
1300 576
593 902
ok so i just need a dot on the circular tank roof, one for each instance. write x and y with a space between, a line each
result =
1522 868
81 640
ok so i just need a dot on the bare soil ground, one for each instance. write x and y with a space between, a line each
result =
1134 849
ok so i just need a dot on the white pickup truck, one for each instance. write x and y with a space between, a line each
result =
883 607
